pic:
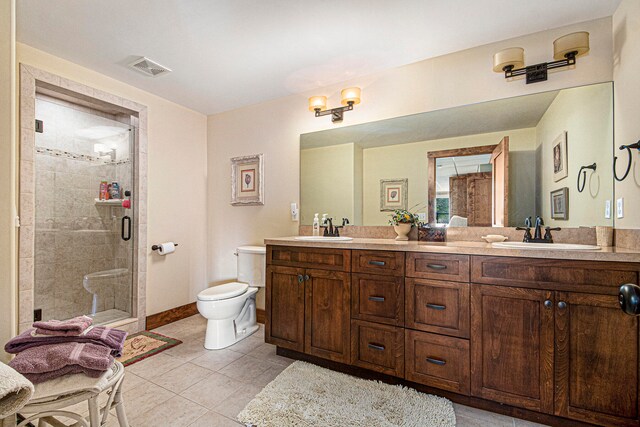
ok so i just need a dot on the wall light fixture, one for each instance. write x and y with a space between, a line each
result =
565 51
350 97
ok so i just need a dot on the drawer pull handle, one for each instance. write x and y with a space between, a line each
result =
436 306
376 299
437 266
379 263
436 361
376 347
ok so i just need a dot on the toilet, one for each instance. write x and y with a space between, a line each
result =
230 309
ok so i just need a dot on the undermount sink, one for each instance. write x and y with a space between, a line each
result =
323 239
549 246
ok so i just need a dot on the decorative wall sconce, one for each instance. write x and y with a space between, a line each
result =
615 160
350 97
565 51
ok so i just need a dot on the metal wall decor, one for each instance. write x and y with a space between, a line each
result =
630 161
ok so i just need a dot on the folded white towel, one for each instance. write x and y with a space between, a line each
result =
15 391
69 384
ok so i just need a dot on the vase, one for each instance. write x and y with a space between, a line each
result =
402 230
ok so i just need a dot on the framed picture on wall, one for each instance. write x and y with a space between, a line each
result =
560 161
560 204
393 194
247 180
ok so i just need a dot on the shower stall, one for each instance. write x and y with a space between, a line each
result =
83 236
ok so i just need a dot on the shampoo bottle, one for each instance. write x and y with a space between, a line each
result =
316 225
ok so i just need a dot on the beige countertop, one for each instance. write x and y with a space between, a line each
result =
464 248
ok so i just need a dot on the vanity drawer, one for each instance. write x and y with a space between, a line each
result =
438 266
318 258
377 298
377 347
581 276
437 361
378 262
436 306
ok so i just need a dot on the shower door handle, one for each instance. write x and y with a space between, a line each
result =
126 237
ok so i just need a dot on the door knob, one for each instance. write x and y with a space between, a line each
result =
562 305
548 303
629 299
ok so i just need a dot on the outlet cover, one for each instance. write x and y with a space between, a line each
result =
607 209
620 208
294 212
422 216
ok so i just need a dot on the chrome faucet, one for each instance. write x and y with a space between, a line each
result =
537 236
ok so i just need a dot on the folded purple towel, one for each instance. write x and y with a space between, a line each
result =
63 328
53 357
112 338
70 369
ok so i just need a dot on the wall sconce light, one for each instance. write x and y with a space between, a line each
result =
565 51
350 97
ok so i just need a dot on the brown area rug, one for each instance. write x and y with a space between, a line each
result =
145 344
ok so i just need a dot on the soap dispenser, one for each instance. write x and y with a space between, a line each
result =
316 225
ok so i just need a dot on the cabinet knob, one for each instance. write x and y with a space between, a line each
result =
548 303
306 277
562 305
300 278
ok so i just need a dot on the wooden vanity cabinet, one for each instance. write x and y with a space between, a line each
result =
308 309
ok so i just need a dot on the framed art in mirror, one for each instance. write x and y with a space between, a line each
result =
393 194
560 161
560 204
247 180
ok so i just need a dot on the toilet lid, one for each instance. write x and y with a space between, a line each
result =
228 290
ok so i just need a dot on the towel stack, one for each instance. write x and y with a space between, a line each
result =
55 348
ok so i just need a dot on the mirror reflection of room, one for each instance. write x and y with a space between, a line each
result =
446 162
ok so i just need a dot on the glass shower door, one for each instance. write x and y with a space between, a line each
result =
84 237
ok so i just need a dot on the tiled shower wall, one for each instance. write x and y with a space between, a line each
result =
73 235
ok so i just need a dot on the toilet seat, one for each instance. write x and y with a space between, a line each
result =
222 292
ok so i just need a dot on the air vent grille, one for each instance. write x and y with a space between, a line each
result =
149 67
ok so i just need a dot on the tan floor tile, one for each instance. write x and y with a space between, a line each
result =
468 416
154 366
269 375
175 412
181 378
188 350
141 399
232 405
247 345
212 390
523 423
132 380
213 419
247 369
268 352
217 359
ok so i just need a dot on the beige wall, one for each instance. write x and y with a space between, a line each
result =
8 287
329 181
586 115
410 161
626 63
274 127
177 183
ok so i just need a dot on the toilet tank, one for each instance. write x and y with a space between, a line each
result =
251 265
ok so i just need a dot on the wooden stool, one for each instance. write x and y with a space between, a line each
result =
46 409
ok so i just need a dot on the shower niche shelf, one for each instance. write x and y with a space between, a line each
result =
110 202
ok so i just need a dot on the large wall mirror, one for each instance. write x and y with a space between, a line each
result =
490 164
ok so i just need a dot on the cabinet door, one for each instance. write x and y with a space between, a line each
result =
596 360
327 315
512 346
284 306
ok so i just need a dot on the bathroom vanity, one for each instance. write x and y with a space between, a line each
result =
534 334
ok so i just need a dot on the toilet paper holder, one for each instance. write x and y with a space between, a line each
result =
156 247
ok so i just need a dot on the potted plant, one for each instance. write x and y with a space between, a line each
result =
402 221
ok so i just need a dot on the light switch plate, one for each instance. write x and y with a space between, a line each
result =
422 216
620 208
607 209
294 211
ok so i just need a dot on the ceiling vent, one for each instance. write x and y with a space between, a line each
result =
149 67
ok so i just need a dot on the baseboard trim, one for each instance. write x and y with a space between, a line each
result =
260 315
171 315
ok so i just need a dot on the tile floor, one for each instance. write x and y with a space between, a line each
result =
190 386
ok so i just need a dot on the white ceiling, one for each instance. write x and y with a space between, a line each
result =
227 54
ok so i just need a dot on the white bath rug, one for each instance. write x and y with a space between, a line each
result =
306 395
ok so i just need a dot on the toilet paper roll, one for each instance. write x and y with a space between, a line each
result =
166 248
